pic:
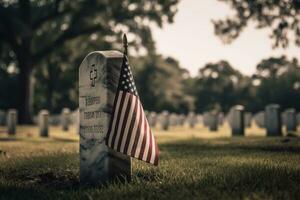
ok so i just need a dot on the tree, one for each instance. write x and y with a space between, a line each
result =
277 80
281 16
160 82
31 30
219 86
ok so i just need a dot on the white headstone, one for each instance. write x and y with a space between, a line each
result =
238 124
65 119
290 120
44 123
273 120
213 121
98 81
165 120
12 121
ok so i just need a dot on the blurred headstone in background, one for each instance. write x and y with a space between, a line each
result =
192 119
273 120
290 120
221 118
165 120
152 119
206 116
2 118
238 126
12 121
98 82
200 119
44 123
213 120
173 119
65 119
259 119
181 120
248 119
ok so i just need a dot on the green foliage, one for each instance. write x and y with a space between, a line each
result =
278 81
281 16
219 86
160 82
32 31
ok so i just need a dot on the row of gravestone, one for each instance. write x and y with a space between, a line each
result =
273 120
44 120
166 119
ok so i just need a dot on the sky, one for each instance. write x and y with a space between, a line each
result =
191 40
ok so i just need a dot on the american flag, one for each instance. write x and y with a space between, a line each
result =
129 131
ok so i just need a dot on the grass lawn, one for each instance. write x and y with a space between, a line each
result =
194 164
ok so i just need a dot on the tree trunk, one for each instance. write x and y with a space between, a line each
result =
24 92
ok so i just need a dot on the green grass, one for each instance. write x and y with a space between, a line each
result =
194 164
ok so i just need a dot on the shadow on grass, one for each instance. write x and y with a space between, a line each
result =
66 140
247 145
225 182
9 139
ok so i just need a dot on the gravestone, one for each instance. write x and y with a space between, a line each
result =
206 116
273 120
165 120
290 120
65 119
98 81
181 119
248 119
44 123
173 119
238 125
213 121
2 118
12 121
153 119
221 118
192 120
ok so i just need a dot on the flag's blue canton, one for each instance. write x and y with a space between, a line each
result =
126 79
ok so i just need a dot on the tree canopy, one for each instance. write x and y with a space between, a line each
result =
282 17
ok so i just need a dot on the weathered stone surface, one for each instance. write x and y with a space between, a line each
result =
238 125
98 81
273 120
12 121
290 120
44 123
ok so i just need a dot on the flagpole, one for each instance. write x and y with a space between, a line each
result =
125 44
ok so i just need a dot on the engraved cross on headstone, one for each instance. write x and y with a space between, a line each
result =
93 75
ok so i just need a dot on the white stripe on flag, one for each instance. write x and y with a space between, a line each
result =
121 121
114 119
128 122
147 146
141 135
152 159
